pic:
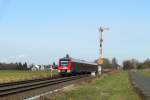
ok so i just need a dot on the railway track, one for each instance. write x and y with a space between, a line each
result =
17 87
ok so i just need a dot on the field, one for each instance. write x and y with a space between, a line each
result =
9 76
114 86
145 72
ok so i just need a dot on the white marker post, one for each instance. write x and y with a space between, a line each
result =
51 72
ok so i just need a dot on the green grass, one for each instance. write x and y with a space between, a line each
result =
145 72
115 86
9 76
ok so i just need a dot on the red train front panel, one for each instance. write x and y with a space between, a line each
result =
64 65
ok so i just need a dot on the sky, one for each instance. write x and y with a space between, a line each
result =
42 31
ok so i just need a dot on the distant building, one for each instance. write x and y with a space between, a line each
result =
35 67
48 67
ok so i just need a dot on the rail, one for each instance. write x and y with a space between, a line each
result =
15 87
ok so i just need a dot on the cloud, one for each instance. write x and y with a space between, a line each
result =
18 56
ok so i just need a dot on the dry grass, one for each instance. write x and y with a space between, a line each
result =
9 76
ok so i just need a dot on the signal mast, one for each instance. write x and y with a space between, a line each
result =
101 30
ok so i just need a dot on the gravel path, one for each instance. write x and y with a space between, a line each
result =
142 83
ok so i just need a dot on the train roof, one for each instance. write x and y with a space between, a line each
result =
80 61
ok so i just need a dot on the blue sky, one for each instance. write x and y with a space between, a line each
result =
42 31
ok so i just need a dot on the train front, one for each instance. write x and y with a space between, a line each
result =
64 65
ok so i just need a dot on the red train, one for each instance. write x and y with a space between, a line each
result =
75 66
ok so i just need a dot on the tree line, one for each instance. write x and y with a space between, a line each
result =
126 64
14 66
111 64
22 66
135 64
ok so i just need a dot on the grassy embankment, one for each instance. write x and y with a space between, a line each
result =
9 76
115 86
145 72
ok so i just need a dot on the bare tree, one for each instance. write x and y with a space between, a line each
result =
127 65
114 63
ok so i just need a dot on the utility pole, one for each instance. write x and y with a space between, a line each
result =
101 30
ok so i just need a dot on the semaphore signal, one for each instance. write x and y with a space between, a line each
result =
101 30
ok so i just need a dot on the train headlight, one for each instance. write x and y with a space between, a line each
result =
68 71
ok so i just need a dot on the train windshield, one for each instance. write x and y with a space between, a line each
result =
64 62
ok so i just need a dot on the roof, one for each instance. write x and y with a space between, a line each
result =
80 61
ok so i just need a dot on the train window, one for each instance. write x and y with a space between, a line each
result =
63 62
